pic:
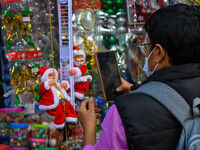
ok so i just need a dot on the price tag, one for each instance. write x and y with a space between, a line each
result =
26 19
34 70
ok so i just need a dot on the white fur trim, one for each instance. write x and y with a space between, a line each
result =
89 77
46 85
78 72
56 101
47 72
80 79
79 95
59 126
78 52
68 85
70 119
84 79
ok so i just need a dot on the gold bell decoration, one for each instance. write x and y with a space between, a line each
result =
90 48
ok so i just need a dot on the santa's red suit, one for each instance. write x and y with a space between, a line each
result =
49 100
81 79
82 76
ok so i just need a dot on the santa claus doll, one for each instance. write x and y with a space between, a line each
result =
54 98
81 73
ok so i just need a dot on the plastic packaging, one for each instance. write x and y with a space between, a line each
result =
18 135
11 115
7 116
37 143
39 131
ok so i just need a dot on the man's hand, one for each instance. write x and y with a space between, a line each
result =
87 118
124 87
87 114
52 82
64 84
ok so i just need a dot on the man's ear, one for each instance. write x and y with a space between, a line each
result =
160 53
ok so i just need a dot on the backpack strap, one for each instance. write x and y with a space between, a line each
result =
196 103
169 98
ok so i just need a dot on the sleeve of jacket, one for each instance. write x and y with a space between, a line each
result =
112 135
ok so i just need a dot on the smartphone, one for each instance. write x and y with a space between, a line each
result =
109 74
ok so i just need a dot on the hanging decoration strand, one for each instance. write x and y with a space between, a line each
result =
51 35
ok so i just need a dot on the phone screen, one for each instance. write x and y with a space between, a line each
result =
109 74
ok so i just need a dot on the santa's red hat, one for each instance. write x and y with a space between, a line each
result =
77 51
44 72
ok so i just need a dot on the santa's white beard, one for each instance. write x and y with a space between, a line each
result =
56 79
79 63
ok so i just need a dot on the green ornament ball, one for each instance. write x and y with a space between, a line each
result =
119 3
109 3
120 10
19 138
112 40
104 40
110 11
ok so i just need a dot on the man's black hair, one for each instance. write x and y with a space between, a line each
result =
177 28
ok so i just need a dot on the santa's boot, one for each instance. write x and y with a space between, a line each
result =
71 116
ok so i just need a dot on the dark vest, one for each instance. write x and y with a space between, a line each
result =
148 125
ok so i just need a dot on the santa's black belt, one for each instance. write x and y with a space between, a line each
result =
63 100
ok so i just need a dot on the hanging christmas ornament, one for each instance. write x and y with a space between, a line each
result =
109 3
121 10
112 40
121 29
121 20
110 11
143 12
119 3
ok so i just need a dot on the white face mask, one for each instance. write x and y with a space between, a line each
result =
146 64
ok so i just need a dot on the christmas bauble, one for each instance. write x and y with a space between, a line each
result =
112 40
121 29
101 22
120 10
119 3
109 3
111 21
110 11
143 12
121 20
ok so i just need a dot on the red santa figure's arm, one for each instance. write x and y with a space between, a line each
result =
43 88
85 74
83 69
65 84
